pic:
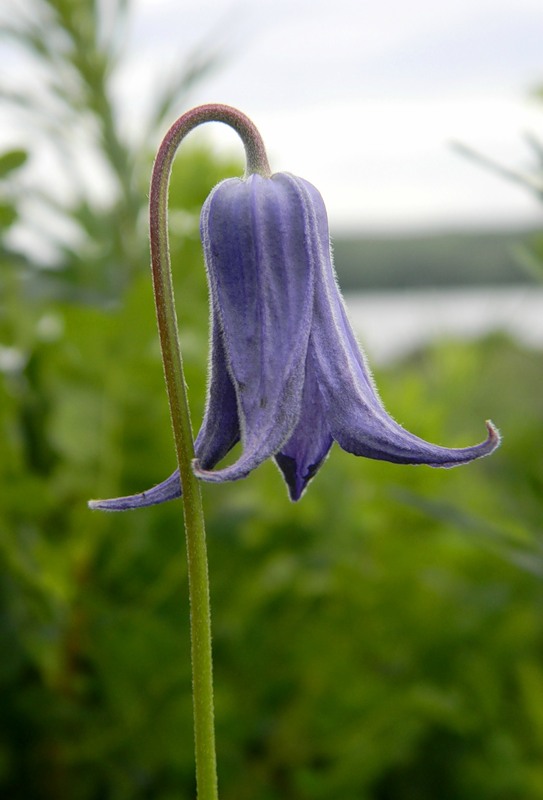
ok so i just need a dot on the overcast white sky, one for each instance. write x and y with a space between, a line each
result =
363 98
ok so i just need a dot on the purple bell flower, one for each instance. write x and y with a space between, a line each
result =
287 376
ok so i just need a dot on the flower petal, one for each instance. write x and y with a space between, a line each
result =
260 248
356 416
302 455
218 434
167 490
219 431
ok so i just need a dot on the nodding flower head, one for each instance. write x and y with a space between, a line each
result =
287 377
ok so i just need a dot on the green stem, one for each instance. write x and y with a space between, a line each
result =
202 670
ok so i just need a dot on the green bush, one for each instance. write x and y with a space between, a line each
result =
380 639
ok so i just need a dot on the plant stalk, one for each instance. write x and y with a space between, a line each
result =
200 612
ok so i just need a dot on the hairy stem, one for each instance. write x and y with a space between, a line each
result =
202 672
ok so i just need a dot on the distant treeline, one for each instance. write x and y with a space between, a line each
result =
440 259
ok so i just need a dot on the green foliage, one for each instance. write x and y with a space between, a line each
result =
380 640
10 162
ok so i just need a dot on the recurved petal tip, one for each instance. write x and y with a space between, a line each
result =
167 490
457 456
114 504
494 438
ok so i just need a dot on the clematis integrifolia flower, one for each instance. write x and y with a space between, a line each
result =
287 377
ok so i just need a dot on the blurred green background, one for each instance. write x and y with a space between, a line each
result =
380 640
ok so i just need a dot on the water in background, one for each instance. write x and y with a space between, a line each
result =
392 324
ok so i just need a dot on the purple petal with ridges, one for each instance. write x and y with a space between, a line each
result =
302 455
167 490
260 253
219 431
357 418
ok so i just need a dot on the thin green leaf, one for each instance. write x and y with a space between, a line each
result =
12 160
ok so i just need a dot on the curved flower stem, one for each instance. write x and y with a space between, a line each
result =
202 673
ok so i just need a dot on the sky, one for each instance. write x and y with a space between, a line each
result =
364 99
